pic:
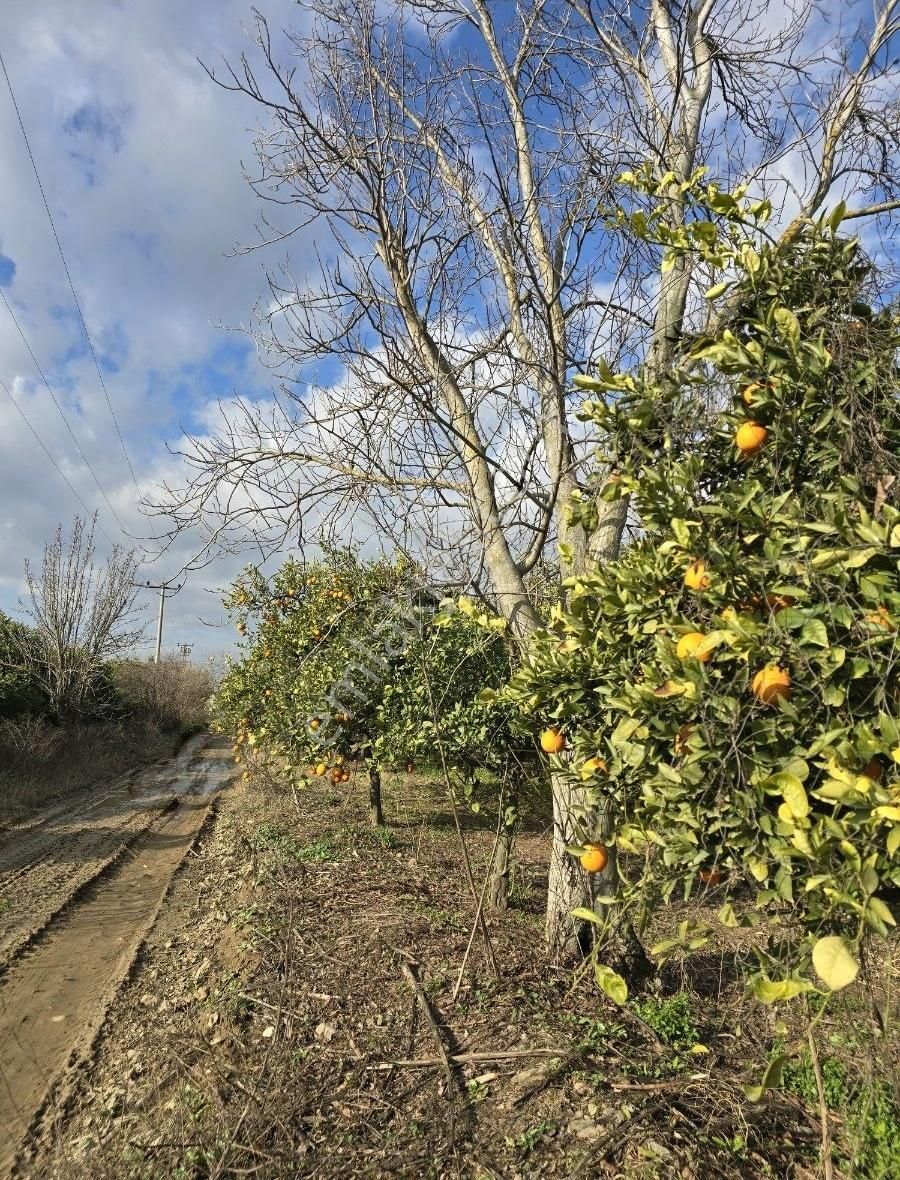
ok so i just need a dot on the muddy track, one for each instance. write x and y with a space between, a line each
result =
81 889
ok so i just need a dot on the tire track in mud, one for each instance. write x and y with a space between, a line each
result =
58 854
57 989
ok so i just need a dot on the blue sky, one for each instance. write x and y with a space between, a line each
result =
140 155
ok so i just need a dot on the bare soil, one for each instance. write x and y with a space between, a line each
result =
80 885
293 1011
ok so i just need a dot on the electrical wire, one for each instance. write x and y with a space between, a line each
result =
62 256
62 413
81 318
62 475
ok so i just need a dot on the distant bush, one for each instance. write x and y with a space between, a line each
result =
19 691
170 695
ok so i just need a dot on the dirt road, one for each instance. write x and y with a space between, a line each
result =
80 886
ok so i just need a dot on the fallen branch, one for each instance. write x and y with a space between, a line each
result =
470 1058
410 976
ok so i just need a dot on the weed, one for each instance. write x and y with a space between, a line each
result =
672 1020
870 1114
525 1143
273 838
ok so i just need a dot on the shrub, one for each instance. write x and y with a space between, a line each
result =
170 695
775 761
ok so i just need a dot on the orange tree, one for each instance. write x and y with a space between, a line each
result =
727 689
318 645
349 660
443 705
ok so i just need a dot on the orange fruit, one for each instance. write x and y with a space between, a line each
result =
552 741
345 777
771 683
696 576
710 876
320 768
777 602
314 724
595 858
595 765
688 644
750 437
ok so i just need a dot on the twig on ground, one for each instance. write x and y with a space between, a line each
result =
827 1169
466 1058
410 976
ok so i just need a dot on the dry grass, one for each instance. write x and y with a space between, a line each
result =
41 762
273 1030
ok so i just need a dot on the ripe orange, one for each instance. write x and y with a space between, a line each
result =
314 724
595 765
320 768
696 576
687 646
345 777
771 683
595 858
552 741
777 602
710 876
750 437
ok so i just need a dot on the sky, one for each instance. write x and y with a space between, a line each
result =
140 155
141 158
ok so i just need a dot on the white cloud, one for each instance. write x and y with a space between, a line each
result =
140 155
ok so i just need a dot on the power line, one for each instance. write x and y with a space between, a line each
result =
44 448
62 413
62 256
81 318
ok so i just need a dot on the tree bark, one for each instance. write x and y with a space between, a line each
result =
567 885
375 813
498 890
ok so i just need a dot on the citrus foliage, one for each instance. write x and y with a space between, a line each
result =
768 751
347 659
319 645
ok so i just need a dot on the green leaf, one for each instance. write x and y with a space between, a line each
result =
814 632
771 1079
586 915
682 534
611 983
773 991
717 290
836 216
859 557
881 911
893 841
793 794
833 962
788 325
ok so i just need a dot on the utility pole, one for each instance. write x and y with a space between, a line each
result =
164 588
185 649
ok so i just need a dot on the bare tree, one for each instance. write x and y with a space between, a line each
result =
459 159
83 616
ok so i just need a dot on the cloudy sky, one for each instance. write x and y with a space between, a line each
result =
140 156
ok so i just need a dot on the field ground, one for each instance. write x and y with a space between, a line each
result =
80 885
271 1026
41 763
